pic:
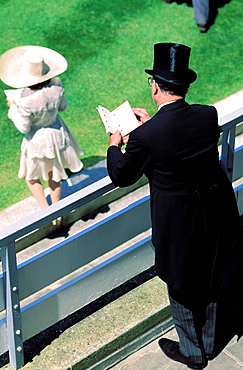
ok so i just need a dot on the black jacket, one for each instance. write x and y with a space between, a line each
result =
195 220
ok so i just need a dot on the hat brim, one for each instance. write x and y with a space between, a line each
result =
12 74
172 78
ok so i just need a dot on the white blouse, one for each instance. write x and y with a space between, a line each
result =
38 108
47 137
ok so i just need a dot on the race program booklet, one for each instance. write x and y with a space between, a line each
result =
122 118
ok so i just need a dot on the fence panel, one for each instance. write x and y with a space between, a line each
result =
84 289
82 248
238 163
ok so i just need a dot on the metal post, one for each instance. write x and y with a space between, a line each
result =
227 156
14 327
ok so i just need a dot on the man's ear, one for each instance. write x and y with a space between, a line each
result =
155 88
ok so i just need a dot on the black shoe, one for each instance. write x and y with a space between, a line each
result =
210 357
171 350
202 28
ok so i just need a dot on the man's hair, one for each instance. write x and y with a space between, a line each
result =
178 90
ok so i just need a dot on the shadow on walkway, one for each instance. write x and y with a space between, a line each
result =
78 181
229 320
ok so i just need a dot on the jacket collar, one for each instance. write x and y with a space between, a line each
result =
169 102
175 105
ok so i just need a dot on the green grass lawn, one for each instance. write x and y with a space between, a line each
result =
108 44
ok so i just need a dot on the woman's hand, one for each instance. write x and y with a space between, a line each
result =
10 102
141 115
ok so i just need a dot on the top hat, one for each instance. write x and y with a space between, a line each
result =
171 64
29 65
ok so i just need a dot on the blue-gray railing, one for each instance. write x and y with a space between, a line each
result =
19 282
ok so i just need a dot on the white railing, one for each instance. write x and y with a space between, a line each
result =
19 282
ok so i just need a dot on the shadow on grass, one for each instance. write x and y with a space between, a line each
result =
92 26
91 161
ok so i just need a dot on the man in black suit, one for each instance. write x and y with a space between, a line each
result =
196 227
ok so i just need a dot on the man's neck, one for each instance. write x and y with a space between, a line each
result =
165 98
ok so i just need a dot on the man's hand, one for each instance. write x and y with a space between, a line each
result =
116 139
125 139
141 115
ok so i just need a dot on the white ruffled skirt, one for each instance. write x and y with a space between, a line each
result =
49 149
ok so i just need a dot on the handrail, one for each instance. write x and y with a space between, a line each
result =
63 207
228 125
230 120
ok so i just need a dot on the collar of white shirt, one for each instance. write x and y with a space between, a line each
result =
169 102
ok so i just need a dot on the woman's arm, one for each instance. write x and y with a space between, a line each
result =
63 104
20 117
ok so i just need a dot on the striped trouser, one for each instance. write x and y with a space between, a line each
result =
195 328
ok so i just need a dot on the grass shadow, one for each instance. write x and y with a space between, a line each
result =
91 25
92 160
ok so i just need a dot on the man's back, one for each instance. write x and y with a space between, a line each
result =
181 140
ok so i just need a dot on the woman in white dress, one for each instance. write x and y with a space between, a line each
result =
48 147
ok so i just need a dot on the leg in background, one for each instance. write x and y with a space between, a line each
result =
55 193
37 190
201 13
55 189
209 329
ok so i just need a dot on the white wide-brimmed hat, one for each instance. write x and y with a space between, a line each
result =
29 65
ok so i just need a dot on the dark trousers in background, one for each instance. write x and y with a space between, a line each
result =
201 11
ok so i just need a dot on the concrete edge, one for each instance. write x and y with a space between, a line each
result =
134 346
110 334
139 341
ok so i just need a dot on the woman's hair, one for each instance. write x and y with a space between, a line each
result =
40 85
178 90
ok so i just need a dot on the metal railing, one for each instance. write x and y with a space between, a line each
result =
19 282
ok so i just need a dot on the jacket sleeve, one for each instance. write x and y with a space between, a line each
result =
126 168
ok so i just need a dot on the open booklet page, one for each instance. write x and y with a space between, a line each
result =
13 94
122 118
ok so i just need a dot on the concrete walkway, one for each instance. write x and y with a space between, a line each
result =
151 357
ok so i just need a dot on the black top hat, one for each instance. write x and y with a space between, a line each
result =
171 64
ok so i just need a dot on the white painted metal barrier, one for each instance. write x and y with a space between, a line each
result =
19 282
